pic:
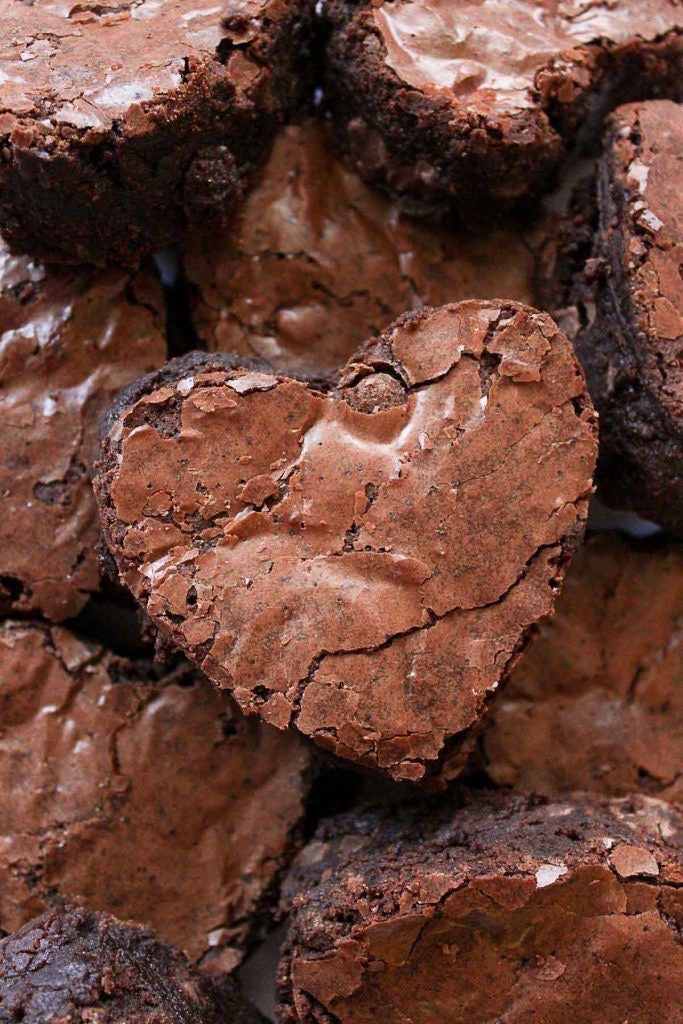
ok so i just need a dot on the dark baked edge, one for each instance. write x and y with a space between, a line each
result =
472 162
122 197
640 457
407 836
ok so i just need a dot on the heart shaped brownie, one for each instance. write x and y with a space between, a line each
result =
363 563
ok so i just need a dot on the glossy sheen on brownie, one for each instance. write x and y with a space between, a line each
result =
317 261
71 966
453 101
139 793
501 910
121 121
362 564
68 343
597 701
630 337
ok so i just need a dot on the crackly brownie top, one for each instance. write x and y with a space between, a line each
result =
138 791
499 909
70 342
409 855
70 966
597 701
643 230
85 66
325 556
495 56
317 261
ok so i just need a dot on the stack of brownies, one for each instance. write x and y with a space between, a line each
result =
320 326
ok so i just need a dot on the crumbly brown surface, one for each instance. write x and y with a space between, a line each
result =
70 342
501 909
465 106
317 261
362 564
70 966
597 702
141 793
119 123
629 330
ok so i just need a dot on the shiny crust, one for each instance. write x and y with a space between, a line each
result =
120 125
101 763
316 261
326 549
464 152
70 342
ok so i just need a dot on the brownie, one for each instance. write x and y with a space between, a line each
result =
317 261
629 326
122 123
465 107
141 792
597 701
72 966
70 342
362 563
501 909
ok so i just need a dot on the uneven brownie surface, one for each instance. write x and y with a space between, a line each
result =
362 564
453 101
70 966
629 331
597 702
142 794
317 261
117 123
502 909
70 342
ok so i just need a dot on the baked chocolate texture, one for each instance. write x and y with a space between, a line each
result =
317 261
120 124
626 312
464 107
363 564
70 342
101 764
72 966
503 909
597 701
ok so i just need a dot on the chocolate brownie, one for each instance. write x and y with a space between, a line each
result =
597 701
363 564
70 342
629 331
503 909
141 793
122 122
466 106
317 261
71 966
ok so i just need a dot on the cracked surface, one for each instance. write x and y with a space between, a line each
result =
366 577
630 336
68 344
70 966
497 909
597 701
136 115
455 104
101 761
317 261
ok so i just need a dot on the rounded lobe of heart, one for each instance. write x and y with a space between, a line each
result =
365 576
